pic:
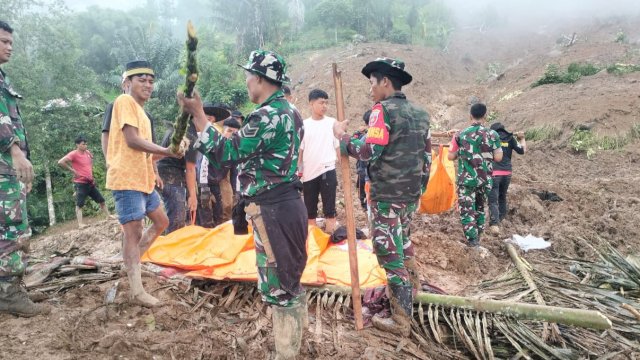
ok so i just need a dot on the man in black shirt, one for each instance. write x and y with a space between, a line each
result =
179 179
502 175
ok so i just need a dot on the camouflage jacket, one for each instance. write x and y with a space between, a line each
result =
475 155
265 148
11 127
398 148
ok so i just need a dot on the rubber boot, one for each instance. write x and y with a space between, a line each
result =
401 311
15 300
287 330
137 294
412 267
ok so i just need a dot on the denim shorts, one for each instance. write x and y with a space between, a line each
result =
133 205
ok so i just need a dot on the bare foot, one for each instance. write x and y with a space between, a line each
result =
144 299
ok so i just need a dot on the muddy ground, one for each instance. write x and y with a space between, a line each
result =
600 198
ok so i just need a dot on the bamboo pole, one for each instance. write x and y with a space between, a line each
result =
191 76
348 205
523 311
524 272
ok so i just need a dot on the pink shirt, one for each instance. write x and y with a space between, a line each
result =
82 163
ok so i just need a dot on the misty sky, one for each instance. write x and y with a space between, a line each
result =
514 10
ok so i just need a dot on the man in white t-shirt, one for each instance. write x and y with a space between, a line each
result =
317 161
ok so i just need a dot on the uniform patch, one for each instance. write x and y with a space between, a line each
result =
378 133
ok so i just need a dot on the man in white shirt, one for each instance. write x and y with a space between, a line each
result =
317 161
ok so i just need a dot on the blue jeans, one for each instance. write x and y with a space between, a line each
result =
133 205
175 203
498 199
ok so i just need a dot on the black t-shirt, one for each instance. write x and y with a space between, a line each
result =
509 144
173 170
106 121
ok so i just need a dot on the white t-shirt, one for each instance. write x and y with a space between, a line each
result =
319 147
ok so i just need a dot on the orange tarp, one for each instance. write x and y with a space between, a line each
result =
440 195
219 254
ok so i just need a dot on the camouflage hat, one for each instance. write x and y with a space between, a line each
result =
390 67
267 64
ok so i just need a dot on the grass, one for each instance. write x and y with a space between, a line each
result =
543 133
553 74
621 69
585 141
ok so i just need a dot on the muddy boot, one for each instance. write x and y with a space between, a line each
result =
15 300
287 330
137 294
414 275
401 312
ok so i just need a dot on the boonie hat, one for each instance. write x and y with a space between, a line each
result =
268 64
390 67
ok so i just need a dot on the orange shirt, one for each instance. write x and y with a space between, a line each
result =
129 169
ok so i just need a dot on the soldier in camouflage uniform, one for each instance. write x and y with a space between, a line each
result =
398 148
16 175
266 151
475 147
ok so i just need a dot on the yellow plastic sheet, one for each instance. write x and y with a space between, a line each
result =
219 254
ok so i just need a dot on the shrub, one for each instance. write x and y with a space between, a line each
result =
399 36
553 74
543 133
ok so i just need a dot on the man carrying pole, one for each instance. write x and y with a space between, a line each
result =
266 151
398 148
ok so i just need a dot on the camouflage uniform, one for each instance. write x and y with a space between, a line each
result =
266 152
14 239
475 155
398 171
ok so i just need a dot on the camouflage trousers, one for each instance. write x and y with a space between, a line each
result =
391 231
471 203
279 281
14 238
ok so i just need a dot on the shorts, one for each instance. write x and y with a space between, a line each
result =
83 190
134 205
324 185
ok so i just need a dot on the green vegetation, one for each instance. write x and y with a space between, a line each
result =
493 116
621 69
543 133
621 37
553 74
585 141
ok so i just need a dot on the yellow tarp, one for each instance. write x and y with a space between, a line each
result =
219 254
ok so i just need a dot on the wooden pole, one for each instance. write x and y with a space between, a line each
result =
575 317
348 207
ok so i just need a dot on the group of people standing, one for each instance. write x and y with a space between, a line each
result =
271 150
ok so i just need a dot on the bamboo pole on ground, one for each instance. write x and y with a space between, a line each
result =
348 206
191 76
523 311
524 272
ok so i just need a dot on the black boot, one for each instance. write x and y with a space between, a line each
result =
15 300
401 297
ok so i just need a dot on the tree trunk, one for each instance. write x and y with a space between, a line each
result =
52 210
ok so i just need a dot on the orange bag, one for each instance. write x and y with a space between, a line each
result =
440 195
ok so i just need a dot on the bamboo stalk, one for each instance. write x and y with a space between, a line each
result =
191 76
524 272
348 204
523 311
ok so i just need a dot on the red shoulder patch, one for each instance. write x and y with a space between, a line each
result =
378 133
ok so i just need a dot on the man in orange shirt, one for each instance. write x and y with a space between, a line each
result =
130 174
